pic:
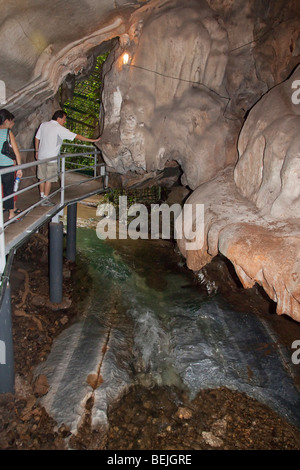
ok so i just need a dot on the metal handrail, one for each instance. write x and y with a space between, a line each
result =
61 159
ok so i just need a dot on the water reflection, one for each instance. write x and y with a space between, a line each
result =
143 325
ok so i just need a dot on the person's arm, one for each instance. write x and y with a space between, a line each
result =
17 153
85 139
36 144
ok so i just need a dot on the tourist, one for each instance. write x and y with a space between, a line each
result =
48 141
6 124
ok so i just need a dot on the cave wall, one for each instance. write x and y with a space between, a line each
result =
207 86
195 70
45 42
268 169
169 102
252 209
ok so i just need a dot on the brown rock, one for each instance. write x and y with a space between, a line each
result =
63 305
94 380
64 320
41 385
184 413
39 300
219 427
211 439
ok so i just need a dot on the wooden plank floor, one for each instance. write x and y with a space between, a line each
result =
17 232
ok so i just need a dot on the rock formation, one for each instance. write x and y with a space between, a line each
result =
45 43
252 211
182 97
193 72
268 170
207 87
169 102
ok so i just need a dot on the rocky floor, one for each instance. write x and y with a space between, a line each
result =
144 419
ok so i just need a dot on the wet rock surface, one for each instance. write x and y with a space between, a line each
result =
149 419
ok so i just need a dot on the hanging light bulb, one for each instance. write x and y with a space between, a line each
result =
125 58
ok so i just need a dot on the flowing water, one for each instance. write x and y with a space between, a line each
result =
145 322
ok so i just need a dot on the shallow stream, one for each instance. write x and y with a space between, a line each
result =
146 322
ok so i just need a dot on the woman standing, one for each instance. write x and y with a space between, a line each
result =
6 123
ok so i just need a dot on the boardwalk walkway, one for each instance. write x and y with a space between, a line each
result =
81 187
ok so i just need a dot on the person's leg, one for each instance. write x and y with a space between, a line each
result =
42 189
41 174
15 197
51 177
47 189
8 188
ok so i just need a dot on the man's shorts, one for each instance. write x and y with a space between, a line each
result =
48 170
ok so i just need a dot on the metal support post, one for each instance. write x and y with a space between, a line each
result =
71 232
7 372
106 181
62 181
56 262
95 164
2 237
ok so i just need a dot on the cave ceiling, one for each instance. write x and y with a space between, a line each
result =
44 41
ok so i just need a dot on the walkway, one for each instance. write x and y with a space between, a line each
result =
71 187
82 187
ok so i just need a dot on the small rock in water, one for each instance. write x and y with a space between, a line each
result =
94 380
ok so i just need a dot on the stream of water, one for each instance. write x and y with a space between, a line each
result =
145 322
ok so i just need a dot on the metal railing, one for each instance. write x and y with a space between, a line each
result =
98 170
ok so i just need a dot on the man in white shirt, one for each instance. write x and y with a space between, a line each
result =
48 141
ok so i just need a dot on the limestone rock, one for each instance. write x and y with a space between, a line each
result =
263 250
44 51
168 103
255 224
268 170
195 69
